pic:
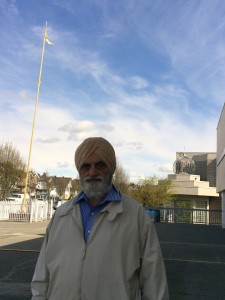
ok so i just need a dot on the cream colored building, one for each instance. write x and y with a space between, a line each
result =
189 184
191 192
199 194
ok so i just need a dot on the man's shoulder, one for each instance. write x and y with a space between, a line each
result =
128 201
65 207
135 211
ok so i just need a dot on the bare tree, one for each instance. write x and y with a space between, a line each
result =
12 168
121 179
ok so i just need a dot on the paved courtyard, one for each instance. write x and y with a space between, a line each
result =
194 257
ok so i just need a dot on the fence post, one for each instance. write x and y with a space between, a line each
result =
41 212
31 211
46 211
36 211
50 208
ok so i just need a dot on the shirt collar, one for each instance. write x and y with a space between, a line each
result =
111 196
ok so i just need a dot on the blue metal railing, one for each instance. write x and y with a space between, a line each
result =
188 215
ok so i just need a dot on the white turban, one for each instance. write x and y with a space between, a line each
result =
101 147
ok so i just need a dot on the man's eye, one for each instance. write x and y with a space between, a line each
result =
101 165
85 167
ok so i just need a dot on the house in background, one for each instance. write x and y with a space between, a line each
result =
220 164
32 183
61 185
64 187
41 192
41 187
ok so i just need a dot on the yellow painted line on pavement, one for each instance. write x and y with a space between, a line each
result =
192 244
19 250
196 261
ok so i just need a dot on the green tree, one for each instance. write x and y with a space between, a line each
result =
12 168
183 215
153 192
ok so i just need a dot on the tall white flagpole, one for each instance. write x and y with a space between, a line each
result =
45 39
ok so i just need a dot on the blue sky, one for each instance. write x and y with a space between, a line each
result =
149 76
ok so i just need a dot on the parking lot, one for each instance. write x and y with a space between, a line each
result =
194 257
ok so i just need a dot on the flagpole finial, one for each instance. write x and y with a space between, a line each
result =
46 36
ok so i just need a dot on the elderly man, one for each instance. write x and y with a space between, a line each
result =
101 245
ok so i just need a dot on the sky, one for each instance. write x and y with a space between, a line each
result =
147 75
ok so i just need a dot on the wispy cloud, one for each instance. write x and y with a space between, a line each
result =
84 128
48 140
63 165
149 82
10 8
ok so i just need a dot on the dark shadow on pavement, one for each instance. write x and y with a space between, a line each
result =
17 263
194 257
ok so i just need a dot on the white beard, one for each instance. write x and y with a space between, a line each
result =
97 189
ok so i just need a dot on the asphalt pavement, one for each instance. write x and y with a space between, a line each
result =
194 257
20 243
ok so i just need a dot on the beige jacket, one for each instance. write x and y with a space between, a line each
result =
122 259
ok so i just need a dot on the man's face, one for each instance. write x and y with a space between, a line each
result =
95 177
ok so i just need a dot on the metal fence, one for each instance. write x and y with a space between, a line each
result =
33 211
188 215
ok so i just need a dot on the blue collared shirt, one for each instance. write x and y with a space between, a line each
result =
89 212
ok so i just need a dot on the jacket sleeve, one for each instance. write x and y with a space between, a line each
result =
40 280
152 277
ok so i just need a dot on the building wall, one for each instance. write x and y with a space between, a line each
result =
221 152
211 169
205 165
191 198
215 203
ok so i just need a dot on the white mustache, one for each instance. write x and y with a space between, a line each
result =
89 178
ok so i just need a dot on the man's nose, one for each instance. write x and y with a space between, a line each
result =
93 170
